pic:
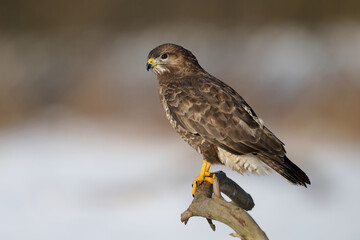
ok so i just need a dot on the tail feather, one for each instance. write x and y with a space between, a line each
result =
289 170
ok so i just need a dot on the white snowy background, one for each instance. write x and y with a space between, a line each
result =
75 179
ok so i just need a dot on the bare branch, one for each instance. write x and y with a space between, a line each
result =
213 206
234 192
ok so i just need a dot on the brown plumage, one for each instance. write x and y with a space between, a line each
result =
214 119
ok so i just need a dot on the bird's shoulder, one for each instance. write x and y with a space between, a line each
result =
205 89
207 106
203 97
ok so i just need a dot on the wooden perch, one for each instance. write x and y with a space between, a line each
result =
209 204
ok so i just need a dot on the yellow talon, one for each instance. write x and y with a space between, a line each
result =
204 175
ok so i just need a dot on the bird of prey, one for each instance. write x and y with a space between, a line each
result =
215 120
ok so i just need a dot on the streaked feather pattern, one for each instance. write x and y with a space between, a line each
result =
214 119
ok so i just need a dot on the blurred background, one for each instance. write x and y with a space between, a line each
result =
86 151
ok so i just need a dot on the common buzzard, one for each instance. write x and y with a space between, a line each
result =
215 120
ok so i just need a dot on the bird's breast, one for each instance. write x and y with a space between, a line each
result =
192 139
168 113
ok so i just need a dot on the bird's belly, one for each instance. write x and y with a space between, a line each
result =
248 163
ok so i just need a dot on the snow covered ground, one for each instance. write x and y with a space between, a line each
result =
76 179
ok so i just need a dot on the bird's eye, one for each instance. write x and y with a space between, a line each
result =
164 56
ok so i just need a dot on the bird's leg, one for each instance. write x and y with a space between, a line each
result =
204 175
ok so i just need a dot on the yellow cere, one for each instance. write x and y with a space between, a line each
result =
151 61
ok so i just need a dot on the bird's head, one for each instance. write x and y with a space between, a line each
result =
172 59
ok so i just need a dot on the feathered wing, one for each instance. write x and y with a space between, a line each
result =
206 106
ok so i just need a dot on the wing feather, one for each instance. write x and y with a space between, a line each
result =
221 116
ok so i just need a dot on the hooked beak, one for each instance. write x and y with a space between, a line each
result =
149 64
